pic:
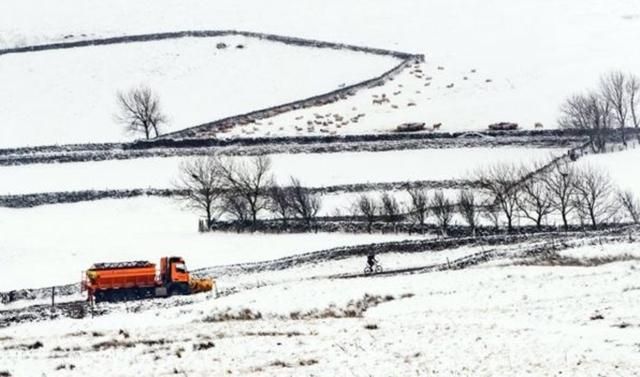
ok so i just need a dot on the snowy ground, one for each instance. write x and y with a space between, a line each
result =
72 237
313 170
536 53
502 318
69 96
573 312
621 167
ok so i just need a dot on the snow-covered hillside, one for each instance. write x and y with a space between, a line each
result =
536 53
483 321
494 298
69 96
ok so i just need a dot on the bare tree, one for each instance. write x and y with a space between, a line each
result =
280 202
236 206
250 181
366 207
491 211
390 209
303 203
590 112
501 182
630 203
419 206
560 183
534 201
139 110
614 89
467 208
201 184
593 199
442 209
633 96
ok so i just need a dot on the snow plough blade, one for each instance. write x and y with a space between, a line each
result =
201 285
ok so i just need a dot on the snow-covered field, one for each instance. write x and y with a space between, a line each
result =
622 167
484 321
69 96
568 312
536 53
72 237
322 169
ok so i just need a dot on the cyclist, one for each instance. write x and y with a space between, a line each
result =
371 260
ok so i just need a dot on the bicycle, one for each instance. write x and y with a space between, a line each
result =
376 268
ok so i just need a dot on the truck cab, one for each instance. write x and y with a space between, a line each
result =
173 269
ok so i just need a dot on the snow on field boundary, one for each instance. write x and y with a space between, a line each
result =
45 198
290 145
207 34
212 128
228 122
413 246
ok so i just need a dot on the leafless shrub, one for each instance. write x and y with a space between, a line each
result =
279 202
613 87
353 309
232 315
501 182
534 201
203 346
419 206
235 206
64 366
630 203
442 209
113 343
590 112
201 183
491 211
249 180
366 207
594 196
139 110
559 183
390 208
467 208
633 96
303 203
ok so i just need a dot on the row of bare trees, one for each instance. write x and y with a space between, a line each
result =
420 207
585 194
241 190
244 189
614 104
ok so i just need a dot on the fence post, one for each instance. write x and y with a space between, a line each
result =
53 296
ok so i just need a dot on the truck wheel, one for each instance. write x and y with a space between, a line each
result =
179 289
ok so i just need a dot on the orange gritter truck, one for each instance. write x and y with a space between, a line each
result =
123 281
